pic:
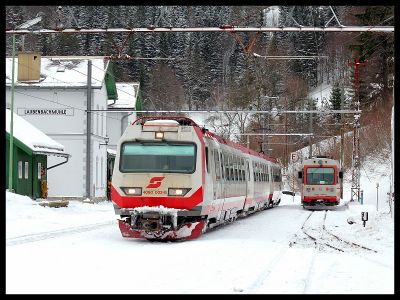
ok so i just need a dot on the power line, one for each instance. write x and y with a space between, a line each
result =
343 111
228 29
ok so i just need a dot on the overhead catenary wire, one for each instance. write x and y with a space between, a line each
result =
344 111
229 29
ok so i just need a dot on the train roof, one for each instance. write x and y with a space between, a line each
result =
320 160
185 121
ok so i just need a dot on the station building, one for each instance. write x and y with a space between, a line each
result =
67 98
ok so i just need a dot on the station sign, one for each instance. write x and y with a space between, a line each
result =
45 111
294 157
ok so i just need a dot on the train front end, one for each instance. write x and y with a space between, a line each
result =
321 183
157 183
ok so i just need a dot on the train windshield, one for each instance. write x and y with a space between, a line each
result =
320 175
158 157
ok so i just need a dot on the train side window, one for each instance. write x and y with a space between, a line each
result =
207 167
240 168
217 165
221 161
248 170
236 167
226 163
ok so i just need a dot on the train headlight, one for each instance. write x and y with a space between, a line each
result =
159 135
132 191
178 191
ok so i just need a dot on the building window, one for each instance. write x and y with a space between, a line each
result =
97 120
102 122
39 170
20 169
26 170
102 179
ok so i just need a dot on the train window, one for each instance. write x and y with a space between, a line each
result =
320 175
158 157
221 165
217 165
276 176
208 169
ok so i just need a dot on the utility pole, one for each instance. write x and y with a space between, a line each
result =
25 25
310 128
88 127
286 149
355 176
11 154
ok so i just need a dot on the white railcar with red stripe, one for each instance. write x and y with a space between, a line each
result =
322 183
174 180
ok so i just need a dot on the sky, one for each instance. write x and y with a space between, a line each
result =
79 249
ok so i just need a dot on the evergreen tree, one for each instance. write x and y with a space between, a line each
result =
336 100
378 50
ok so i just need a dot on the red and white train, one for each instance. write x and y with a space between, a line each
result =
322 183
174 180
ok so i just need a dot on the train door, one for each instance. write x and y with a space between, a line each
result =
247 178
217 186
221 184
249 184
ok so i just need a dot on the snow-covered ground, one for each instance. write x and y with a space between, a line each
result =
79 249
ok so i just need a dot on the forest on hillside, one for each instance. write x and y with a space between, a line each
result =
203 70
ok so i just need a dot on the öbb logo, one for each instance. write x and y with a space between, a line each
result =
155 182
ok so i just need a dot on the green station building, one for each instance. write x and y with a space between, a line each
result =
31 147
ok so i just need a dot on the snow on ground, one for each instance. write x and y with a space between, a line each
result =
79 249
26 216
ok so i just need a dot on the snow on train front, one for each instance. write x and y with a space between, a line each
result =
158 178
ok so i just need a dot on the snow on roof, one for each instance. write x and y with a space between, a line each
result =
61 72
32 137
127 95
161 122
112 151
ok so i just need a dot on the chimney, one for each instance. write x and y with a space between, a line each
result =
29 66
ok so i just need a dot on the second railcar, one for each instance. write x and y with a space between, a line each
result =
321 182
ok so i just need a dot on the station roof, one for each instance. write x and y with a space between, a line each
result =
62 72
127 95
32 137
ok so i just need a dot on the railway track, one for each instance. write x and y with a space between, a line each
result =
28 238
322 237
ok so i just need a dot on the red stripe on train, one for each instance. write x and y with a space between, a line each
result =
314 198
